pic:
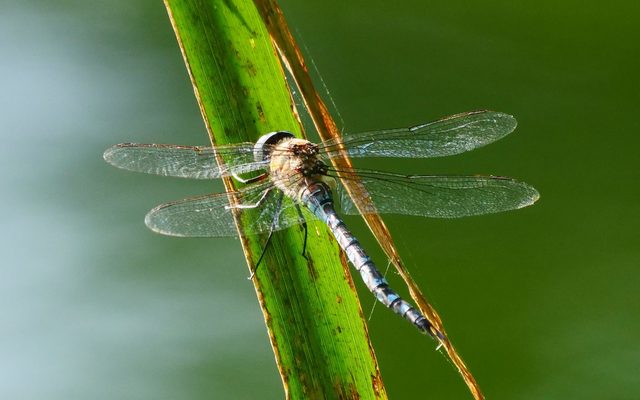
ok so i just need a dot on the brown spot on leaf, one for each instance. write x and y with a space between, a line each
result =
311 267
347 275
260 111
346 391
251 68
376 384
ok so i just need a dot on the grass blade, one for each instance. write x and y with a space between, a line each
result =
312 313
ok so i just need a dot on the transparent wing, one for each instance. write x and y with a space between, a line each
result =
441 196
448 136
209 216
183 161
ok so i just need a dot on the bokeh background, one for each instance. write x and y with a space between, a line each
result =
543 303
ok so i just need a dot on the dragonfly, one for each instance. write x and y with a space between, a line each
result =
288 175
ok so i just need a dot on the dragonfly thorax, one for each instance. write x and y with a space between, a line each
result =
294 163
308 162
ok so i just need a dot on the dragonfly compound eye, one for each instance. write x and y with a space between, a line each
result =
263 146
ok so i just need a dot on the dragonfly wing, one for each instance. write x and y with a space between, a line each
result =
448 136
183 161
441 196
210 215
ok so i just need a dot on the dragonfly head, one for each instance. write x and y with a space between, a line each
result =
263 145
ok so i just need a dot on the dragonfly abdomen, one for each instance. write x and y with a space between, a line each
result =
317 197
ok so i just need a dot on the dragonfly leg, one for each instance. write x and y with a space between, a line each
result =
274 224
248 206
250 180
303 222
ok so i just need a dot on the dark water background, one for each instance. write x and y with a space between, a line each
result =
542 303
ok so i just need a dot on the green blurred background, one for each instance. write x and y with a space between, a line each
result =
542 303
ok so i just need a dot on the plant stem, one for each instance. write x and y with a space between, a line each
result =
315 323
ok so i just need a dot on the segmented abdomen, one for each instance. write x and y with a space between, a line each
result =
317 197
